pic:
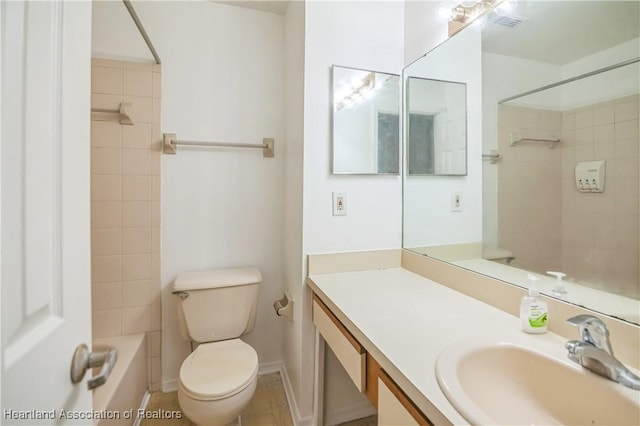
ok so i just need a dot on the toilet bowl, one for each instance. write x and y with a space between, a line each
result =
217 382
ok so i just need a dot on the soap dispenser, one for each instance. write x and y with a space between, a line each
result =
559 290
534 314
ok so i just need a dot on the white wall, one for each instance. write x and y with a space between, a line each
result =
424 29
222 80
295 362
428 217
367 35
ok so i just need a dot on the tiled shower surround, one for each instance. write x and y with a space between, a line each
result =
543 218
125 205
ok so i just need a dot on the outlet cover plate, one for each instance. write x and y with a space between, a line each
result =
456 202
339 203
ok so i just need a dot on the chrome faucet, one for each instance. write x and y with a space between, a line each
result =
594 351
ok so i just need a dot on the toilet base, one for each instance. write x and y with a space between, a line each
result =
220 412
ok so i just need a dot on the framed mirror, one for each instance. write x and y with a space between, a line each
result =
558 97
436 128
366 122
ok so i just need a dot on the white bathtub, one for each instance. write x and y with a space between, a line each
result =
126 387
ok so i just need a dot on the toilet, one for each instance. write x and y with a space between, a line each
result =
215 308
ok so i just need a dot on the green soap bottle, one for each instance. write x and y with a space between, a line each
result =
534 314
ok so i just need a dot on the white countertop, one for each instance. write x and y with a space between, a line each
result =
405 320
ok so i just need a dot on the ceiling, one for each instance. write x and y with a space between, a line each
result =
560 32
279 7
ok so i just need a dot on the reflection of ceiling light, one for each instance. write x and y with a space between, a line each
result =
355 92
506 7
468 11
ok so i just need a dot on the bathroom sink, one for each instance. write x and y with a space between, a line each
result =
498 383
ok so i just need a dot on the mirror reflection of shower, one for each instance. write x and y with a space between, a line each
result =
572 206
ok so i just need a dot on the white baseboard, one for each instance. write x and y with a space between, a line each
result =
278 366
348 414
143 406
169 386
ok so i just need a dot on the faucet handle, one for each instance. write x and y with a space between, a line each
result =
593 330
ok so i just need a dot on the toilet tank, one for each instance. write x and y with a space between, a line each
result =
217 304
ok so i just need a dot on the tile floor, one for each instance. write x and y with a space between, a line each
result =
268 407
366 421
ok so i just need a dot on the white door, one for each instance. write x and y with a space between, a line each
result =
45 210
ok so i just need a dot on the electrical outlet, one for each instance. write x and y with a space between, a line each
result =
339 203
456 202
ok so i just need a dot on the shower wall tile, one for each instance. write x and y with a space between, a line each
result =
137 83
136 214
106 134
154 340
136 188
125 178
106 242
106 161
105 269
136 320
144 66
600 235
136 267
157 82
156 111
106 296
107 323
137 136
528 192
136 241
106 188
626 110
141 108
102 101
137 161
106 80
156 316
604 113
106 215
136 293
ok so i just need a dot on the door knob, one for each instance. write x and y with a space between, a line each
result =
83 360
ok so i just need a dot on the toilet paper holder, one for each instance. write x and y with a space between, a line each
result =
284 306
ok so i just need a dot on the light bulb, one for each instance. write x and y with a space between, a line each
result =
446 10
506 7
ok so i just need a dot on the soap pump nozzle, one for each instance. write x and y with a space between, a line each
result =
533 289
559 289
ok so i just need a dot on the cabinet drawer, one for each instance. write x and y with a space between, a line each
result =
349 352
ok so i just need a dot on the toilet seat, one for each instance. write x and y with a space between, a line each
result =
218 370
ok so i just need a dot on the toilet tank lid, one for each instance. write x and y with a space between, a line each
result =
216 278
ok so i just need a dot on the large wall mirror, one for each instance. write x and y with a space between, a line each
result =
366 122
559 89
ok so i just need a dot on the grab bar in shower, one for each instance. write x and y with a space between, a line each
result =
170 143
551 141
123 114
493 156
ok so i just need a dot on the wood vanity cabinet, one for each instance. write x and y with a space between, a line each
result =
394 407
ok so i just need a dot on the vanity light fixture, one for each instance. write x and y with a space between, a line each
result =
468 11
351 94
